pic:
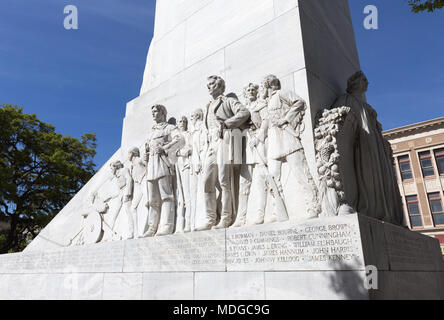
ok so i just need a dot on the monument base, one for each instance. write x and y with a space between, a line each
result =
346 257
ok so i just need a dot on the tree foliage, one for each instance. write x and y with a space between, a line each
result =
426 5
40 171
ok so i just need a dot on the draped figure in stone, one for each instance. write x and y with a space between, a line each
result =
286 114
199 145
253 176
160 148
370 186
137 168
122 187
183 174
222 114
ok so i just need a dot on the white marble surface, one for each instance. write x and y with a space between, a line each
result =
168 286
327 285
199 251
419 276
229 286
85 286
122 286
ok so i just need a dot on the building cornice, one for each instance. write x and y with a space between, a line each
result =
414 128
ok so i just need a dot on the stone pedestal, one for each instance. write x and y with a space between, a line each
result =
316 259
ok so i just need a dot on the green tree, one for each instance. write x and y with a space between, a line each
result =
426 5
40 171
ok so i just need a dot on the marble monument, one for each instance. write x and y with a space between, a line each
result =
279 187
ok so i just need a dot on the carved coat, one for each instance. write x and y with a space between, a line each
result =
235 116
259 116
160 165
199 137
283 141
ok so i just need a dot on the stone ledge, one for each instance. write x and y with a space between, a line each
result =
339 243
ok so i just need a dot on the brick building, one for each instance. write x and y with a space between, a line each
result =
418 151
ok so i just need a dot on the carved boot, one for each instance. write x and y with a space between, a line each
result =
150 233
165 230
187 228
210 210
153 220
227 211
167 218
242 215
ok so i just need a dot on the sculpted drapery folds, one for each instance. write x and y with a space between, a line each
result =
370 188
199 145
183 176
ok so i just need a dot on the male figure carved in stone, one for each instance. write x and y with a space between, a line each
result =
199 146
221 114
183 169
163 139
137 170
286 112
124 183
370 187
255 157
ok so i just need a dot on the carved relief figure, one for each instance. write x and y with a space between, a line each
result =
370 186
286 112
221 115
124 183
91 222
183 169
137 169
199 145
163 140
253 176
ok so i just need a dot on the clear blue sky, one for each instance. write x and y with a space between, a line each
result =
81 80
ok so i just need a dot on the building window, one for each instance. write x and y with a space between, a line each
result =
405 168
425 158
414 213
436 208
439 155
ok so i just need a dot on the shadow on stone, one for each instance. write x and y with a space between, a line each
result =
348 283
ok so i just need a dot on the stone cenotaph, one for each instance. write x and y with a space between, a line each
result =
251 167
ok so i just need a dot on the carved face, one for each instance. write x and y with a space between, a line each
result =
158 115
183 124
364 83
134 153
251 93
195 117
214 88
114 170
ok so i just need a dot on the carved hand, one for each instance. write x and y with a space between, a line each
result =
198 169
254 142
160 150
